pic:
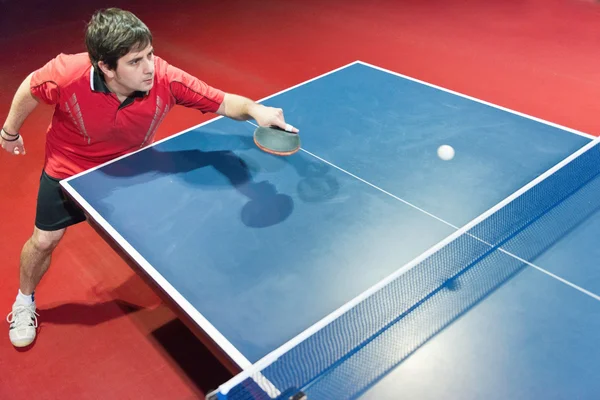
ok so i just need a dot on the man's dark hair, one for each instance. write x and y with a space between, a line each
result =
112 33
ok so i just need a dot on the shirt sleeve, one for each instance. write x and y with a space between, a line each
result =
46 81
190 91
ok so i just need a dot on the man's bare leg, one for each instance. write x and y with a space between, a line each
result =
36 256
35 260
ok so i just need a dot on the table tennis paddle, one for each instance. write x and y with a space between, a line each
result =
275 140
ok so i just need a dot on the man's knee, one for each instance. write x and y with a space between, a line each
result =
46 240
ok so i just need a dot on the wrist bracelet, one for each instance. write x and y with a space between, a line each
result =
14 137
9 134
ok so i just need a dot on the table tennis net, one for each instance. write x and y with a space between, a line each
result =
343 359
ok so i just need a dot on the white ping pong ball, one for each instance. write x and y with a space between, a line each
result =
445 152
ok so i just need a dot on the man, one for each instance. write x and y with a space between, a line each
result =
108 102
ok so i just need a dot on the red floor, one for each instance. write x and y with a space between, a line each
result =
104 334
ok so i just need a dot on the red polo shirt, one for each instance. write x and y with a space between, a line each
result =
90 126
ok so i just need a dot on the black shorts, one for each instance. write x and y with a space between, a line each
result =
54 209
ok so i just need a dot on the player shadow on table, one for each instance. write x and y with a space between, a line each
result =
265 206
231 156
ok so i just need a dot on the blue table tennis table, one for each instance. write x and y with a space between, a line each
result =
364 266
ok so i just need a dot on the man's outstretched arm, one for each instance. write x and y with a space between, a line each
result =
241 108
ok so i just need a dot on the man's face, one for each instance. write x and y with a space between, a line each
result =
135 70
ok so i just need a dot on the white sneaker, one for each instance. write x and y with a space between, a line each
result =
23 324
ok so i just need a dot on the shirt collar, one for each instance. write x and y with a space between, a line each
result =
98 85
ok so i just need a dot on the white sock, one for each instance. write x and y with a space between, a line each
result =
25 299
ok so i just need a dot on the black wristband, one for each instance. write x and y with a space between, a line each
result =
9 134
14 137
